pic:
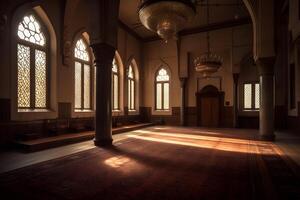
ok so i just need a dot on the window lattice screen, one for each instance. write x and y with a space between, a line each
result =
87 87
247 96
257 96
40 79
78 90
23 76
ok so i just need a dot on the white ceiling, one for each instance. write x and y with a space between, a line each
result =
129 15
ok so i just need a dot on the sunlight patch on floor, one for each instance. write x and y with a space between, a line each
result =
117 161
208 142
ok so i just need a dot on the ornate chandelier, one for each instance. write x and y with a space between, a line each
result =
209 62
166 17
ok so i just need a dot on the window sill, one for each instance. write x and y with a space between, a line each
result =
83 111
33 114
133 112
34 110
161 112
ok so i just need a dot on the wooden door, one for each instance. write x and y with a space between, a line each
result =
210 111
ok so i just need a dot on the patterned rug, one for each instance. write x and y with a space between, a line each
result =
162 165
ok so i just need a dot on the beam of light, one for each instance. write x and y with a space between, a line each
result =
201 137
218 144
189 130
161 128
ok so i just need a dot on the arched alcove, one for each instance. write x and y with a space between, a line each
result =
248 75
250 5
133 64
51 111
84 36
121 75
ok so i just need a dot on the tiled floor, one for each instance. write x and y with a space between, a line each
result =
288 142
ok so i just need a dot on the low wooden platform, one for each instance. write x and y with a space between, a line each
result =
70 138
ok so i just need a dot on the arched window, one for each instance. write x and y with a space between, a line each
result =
32 65
131 89
115 86
162 87
83 74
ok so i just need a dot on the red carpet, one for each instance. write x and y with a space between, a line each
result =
154 166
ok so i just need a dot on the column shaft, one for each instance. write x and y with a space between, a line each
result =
104 54
235 100
266 112
182 106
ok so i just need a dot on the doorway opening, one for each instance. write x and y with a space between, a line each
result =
210 102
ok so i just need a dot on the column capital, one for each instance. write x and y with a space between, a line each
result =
182 81
103 21
103 52
235 78
265 65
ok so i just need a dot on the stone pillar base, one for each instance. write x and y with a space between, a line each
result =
103 143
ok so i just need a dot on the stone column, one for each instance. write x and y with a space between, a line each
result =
182 106
235 100
104 54
266 112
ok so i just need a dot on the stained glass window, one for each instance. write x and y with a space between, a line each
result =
162 90
31 64
162 75
131 89
40 79
29 29
114 66
257 96
247 96
251 96
115 85
95 82
83 75
80 51
23 76
158 96
130 72
78 81
87 87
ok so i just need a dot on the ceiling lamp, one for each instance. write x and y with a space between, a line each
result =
209 62
166 17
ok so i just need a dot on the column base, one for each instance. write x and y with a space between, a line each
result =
103 142
267 137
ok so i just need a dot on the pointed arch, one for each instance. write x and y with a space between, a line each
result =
251 7
262 15
117 84
83 74
133 86
162 89
36 36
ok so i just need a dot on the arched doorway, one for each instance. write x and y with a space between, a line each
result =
210 102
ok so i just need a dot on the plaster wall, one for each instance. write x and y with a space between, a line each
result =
231 43
157 54
294 18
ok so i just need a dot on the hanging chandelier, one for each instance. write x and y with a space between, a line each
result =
209 62
166 17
